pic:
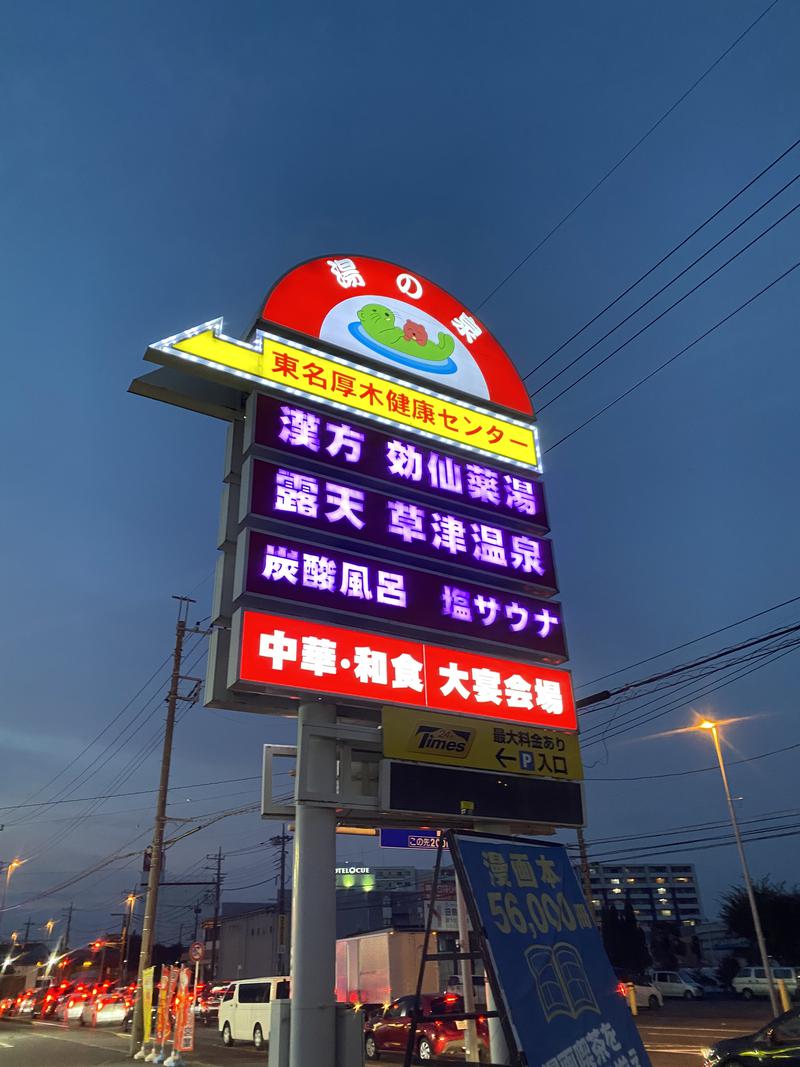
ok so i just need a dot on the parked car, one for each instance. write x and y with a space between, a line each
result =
389 1033
752 981
779 1040
105 1009
647 995
677 984
246 1009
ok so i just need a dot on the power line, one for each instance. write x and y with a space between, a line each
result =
702 692
738 669
712 657
693 845
677 355
699 770
661 314
767 816
665 257
693 641
627 155
668 285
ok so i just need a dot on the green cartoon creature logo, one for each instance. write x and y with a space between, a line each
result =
377 328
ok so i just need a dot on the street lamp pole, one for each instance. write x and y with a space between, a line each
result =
713 728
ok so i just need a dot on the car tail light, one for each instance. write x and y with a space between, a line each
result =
450 998
622 989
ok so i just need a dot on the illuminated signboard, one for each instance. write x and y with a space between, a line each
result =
325 579
281 653
281 493
298 370
426 737
382 310
325 439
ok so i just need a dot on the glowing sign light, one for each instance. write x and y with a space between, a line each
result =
323 578
293 496
285 653
270 361
326 439
383 310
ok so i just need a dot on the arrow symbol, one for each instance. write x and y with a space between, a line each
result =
503 759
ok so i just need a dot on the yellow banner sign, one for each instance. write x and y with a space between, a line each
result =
147 1000
273 362
480 744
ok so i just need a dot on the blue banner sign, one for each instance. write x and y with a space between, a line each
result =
558 986
392 837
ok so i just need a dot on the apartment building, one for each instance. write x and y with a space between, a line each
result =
665 892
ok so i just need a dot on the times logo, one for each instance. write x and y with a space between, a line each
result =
447 741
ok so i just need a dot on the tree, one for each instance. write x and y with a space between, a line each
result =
635 941
610 929
623 939
779 912
667 945
728 969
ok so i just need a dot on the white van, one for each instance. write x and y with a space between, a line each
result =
244 1011
752 981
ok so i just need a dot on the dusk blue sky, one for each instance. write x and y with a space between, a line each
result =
163 164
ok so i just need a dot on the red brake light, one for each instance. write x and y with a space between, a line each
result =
450 998
622 989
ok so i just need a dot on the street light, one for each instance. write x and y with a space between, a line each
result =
10 868
713 728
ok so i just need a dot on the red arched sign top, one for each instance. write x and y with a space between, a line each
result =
380 309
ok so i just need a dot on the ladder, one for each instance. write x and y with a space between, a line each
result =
411 1057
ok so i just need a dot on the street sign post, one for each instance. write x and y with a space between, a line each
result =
197 952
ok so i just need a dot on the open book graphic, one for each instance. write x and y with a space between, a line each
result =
561 980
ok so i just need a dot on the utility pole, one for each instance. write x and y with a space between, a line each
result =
67 928
27 930
197 911
281 840
586 877
217 894
159 824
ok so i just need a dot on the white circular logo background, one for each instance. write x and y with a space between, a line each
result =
336 329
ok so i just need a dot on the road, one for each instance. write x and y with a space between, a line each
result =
673 1036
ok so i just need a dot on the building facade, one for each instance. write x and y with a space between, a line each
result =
658 892
253 944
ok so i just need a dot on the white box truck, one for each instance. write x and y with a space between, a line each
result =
373 969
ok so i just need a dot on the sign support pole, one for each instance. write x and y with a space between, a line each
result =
468 991
498 1046
313 962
